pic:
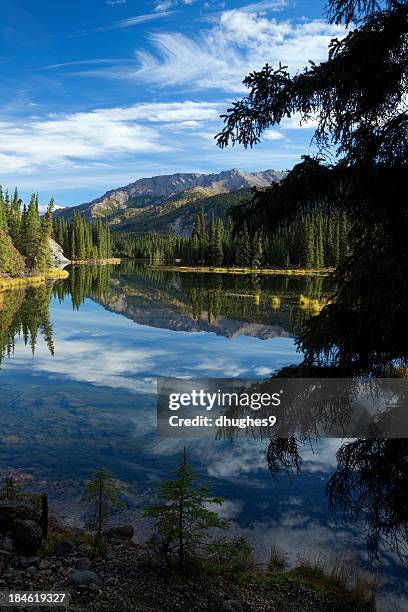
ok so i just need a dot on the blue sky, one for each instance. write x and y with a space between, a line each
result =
99 93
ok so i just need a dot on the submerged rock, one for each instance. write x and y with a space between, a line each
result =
122 532
232 605
84 578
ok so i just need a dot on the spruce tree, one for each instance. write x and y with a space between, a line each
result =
31 234
102 493
215 252
15 218
43 256
257 251
243 255
182 516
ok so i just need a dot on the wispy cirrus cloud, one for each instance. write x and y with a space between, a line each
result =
88 62
96 135
238 42
86 152
123 24
132 21
165 5
265 5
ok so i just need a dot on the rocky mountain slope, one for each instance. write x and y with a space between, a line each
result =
141 206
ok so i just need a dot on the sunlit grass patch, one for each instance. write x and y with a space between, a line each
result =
8 282
233 270
342 579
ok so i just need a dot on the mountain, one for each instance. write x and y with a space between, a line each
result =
169 203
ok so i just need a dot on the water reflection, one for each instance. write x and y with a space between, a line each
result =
257 306
228 305
25 313
88 396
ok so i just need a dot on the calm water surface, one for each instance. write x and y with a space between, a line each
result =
78 383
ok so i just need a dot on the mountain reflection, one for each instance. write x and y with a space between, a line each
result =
230 306
256 306
262 307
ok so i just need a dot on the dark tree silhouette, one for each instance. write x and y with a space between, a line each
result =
358 97
370 484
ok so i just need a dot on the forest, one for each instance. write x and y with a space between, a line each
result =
24 235
311 241
82 241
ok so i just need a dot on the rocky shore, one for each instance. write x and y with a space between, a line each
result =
128 577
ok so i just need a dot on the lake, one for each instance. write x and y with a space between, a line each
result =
80 360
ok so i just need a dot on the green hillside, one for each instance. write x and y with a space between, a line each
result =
177 214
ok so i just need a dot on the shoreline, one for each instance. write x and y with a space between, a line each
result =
96 262
125 575
231 270
19 282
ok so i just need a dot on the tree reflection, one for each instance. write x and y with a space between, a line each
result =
369 485
84 281
25 313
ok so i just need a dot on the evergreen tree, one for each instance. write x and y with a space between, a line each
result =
7 209
257 251
30 233
243 255
102 493
82 241
15 218
215 252
182 517
357 97
43 257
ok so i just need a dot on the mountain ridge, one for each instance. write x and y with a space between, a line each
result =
153 197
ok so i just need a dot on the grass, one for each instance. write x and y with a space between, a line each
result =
108 260
232 270
8 282
277 561
341 579
309 303
339 583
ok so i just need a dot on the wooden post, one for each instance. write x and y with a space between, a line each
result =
44 515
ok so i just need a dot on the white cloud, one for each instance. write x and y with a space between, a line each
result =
228 510
238 42
88 361
115 2
131 21
95 136
43 207
79 63
122 24
247 459
164 5
272 135
265 5
322 456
